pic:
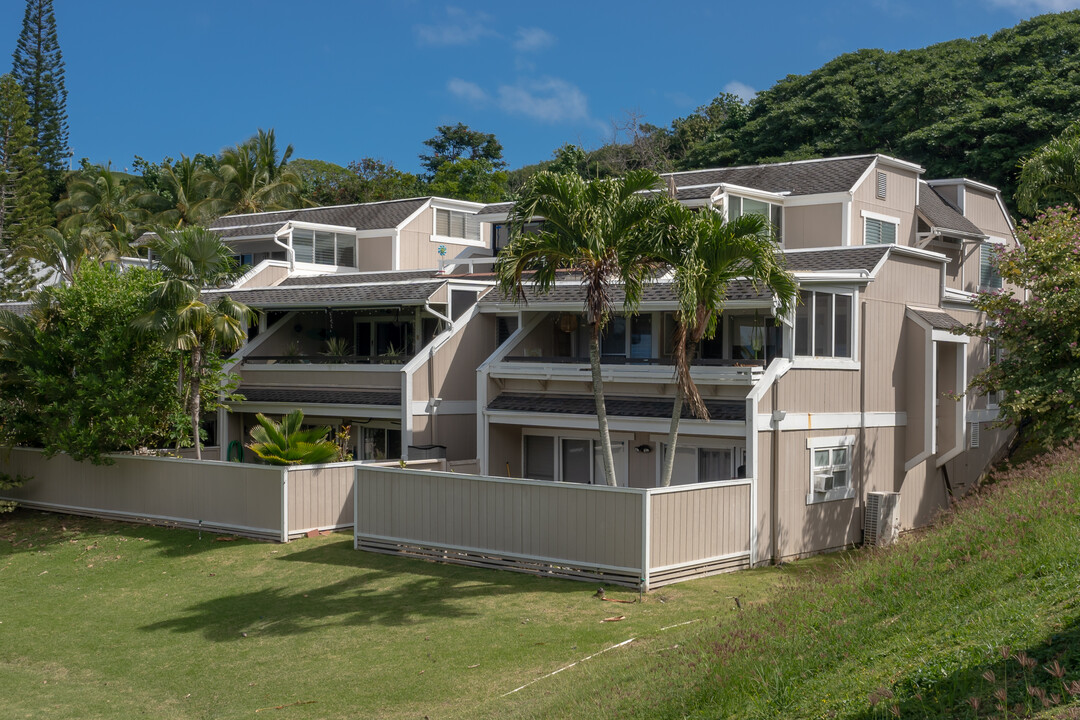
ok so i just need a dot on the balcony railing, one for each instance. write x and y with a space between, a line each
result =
617 360
621 369
327 360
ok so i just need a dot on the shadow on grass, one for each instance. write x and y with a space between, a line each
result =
947 696
28 530
375 596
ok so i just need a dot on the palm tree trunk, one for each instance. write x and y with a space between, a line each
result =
672 439
181 388
683 357
196 375
601 409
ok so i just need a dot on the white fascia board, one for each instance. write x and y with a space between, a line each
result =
919 253
889 161
994 240
947 336
963 181
451 204
753 193
935 230
697 202
386 412
321 226
856 276
862 178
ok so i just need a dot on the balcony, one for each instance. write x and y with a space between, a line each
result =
624 369
327 360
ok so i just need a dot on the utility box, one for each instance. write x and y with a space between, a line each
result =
881 525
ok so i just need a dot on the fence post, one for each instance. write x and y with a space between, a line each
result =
646 499
284 505
356 508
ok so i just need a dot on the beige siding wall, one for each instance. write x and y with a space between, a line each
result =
819 391
269 276
573 523
914 341
698 523
899 202
320 498
982 209
504 451
810 226
418 252
456 432
375 254
239 498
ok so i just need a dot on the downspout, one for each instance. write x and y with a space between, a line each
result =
774 478
289 252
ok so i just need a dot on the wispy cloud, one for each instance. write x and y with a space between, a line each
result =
549 100
467 91
532 39
1037 6
741 89
459 28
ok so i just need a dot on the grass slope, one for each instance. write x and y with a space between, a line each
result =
102 619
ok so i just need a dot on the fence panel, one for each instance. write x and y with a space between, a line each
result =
698 530
550 528
245 499
320 498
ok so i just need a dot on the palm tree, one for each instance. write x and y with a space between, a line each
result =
193 259
191 184
64 250
285 443
1053 169
117 205
253 178
596 230
707 254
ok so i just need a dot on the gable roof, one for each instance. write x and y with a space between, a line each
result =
805 177
938 212
363 216
855 258
323 295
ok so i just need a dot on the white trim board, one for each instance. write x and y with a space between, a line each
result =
838 421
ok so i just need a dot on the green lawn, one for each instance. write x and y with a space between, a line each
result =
102 619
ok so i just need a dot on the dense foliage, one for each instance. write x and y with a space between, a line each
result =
289 443
1038 375
76 378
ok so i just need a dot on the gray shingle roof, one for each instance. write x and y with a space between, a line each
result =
366 216
333 295
941 213
19 308
321 396
799 178
496 208
739 290
939 319
358 278
616 406
864 257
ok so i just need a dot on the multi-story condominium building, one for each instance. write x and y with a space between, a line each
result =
385 316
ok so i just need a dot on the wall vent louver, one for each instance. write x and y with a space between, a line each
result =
974 435
882 185
881 526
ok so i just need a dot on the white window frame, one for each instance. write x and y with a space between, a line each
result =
622 468
828 361
337 246
984 249
870 216
468 217
730 196
830 443
628 339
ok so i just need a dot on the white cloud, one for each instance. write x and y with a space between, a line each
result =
548 100
743 90
459 28
532 39
468 91
1037 6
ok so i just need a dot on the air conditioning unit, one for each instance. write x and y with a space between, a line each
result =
821 482
881 526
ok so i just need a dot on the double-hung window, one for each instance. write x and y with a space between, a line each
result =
830 468
823 324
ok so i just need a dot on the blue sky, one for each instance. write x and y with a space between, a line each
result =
342 80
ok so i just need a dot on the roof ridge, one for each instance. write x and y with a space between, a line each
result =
776 164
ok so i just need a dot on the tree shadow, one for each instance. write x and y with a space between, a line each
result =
357 601
947 696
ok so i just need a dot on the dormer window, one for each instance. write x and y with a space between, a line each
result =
739 206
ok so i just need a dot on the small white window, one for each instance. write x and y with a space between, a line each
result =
823 324
456 224
878 232
830 469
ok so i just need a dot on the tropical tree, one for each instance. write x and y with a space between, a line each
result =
114 203
39 68
193 259
1052 172
67 249
457 142
287 443
254 177
707 254
594 230
186 189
